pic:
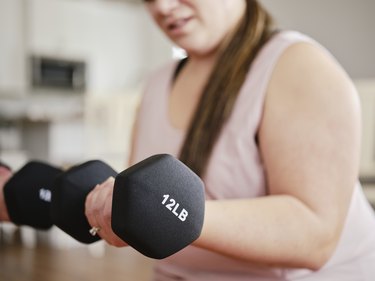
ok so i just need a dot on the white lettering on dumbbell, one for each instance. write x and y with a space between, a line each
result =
172 203
45 195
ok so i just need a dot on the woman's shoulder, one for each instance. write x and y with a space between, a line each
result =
307 74
305 61
165 70
291 35
282 40
275 48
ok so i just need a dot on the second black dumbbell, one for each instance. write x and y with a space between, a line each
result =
40 195
27 195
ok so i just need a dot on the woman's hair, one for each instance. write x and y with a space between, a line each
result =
220 92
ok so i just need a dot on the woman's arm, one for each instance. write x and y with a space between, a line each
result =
5 175
310 141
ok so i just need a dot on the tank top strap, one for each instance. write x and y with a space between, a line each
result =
253 91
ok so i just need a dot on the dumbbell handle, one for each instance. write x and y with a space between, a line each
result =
69 195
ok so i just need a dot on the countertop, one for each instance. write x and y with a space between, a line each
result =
42 107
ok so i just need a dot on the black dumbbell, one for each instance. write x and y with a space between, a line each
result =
158 206
27 194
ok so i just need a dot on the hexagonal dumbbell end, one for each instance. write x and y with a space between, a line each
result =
158 206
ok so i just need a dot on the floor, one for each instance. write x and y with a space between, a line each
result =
44 263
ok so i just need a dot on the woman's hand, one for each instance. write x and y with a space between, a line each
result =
5 175
98 210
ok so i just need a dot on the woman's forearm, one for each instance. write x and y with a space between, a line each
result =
273 230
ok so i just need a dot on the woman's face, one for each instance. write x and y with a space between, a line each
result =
198 26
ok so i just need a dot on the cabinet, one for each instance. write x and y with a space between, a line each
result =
111 37
12 45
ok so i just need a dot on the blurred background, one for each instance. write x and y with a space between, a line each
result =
71 74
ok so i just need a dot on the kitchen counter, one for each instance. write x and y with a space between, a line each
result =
43 126
42 107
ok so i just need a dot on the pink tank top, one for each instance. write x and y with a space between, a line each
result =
235 171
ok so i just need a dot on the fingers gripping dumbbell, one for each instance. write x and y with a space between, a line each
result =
69 195
157 204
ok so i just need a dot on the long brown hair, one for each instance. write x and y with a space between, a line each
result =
220 92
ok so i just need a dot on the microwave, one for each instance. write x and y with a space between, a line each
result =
57 73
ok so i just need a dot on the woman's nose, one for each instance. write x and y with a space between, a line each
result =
166 6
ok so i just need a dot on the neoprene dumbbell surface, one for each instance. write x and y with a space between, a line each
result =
28 194
69 196
158 206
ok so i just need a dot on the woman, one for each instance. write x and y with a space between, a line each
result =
271 123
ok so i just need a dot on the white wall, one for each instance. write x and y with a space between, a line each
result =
12 59
113 37
345 27
121 44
